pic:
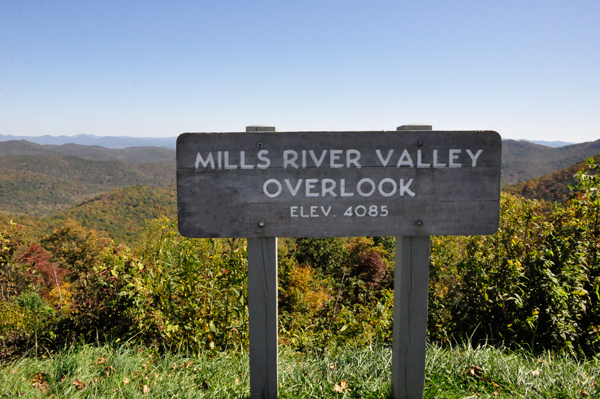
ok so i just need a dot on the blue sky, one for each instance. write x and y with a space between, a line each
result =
527 69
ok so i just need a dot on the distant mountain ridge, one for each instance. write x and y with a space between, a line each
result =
167 142
553 144
92 153
103 141
521 160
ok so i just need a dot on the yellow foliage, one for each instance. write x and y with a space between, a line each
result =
305 292
12 319
54 298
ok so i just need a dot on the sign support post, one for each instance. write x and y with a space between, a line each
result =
411 286
411 289
262 309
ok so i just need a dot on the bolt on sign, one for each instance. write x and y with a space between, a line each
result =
338 184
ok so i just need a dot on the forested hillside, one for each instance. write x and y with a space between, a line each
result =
118 190
122 213
38 185
522 160
552 187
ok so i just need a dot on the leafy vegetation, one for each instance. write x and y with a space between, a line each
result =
534 285
174 290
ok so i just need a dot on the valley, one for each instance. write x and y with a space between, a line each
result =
120 190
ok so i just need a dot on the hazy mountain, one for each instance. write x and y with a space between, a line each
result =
104 141
130 154
168 142
553 144
522 160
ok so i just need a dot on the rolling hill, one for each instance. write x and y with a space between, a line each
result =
553 187
522 160
123 213
38 185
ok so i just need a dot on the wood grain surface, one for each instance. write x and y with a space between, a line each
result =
289 184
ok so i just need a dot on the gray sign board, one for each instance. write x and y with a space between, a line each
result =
338 184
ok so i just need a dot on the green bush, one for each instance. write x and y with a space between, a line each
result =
534 283
191 293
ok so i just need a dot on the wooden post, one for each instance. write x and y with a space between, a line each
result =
411 288
262 309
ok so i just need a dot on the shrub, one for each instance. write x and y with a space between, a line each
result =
192 293
13 279
535 283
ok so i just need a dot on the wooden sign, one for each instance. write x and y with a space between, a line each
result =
338 184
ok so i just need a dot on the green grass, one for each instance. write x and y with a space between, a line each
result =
462 372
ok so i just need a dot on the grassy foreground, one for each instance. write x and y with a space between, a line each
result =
136 372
